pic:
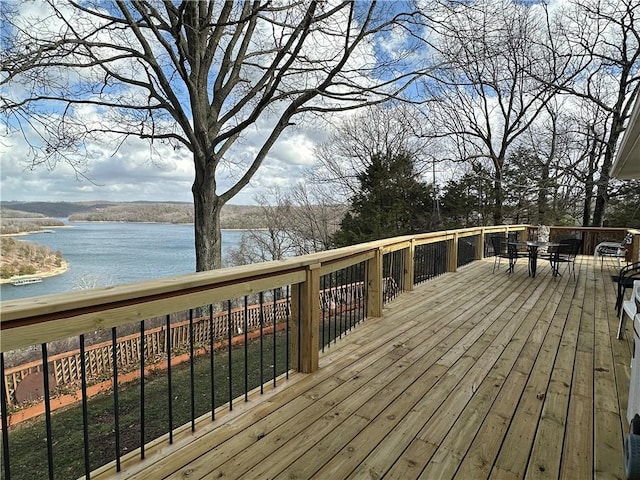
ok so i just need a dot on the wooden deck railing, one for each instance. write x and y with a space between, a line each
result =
384 268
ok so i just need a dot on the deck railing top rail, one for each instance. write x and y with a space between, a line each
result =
35 320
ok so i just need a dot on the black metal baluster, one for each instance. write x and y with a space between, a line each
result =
341 297
47 409
116 409
402 270
212 364
400 273
246 348
299 361
347 298
287 314
353 295
275 306
261 297
192 375
142 376
85 410
169 388
229 338
330 294
5 424
323 303
335 288
365 290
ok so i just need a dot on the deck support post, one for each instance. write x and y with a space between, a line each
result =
480 245
635 247
409 267
452 254
374 285
305 329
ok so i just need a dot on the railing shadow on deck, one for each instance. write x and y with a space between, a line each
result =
146 361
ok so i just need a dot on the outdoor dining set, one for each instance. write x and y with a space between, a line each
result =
557 253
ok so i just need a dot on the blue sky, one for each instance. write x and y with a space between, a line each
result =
136 173
135 170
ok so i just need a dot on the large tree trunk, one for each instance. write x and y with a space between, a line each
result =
602 197
207 207
497 192
588 195
543 196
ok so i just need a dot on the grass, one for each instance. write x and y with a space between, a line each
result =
28 441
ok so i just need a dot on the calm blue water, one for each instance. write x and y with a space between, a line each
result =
103 254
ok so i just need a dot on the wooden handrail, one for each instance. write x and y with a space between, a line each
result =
383 269
33 321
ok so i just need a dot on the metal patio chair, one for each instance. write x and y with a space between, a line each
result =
565 252
503 248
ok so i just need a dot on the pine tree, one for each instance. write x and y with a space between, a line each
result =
391 201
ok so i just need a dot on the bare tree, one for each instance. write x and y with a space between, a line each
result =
315 217
390 129
603 42
298 221
273 242
193 75
485 95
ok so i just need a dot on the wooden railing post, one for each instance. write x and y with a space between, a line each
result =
452 253
374 285
305 329
409 265
635 248
480 245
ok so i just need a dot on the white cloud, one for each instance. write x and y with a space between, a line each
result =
139 172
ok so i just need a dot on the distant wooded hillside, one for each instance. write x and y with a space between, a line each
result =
16 221
233 216
26 258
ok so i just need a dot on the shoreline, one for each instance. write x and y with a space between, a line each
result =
43 231
51 272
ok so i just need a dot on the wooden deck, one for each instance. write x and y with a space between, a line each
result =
472 375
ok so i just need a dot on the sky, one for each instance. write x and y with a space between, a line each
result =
135 173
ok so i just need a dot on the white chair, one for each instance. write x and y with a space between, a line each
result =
612 249
629 307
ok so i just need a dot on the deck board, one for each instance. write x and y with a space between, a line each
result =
470 375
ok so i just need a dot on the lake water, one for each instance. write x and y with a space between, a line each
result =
103 254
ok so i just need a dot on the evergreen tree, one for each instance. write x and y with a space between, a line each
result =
623 209
467 201
391 201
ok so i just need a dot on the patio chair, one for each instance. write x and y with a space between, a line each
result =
629 307
565 252
625 280
613 249
503 248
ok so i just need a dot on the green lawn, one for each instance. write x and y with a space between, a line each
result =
28 444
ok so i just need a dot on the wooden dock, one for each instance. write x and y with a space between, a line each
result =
471 375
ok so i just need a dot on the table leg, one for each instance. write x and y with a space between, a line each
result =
533 260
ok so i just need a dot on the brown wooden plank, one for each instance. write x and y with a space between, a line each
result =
490 342
514 455
577 454
608 458
442 388
480 458
523 348
391 342
437 339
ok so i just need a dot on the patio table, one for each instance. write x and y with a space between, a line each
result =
532 248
